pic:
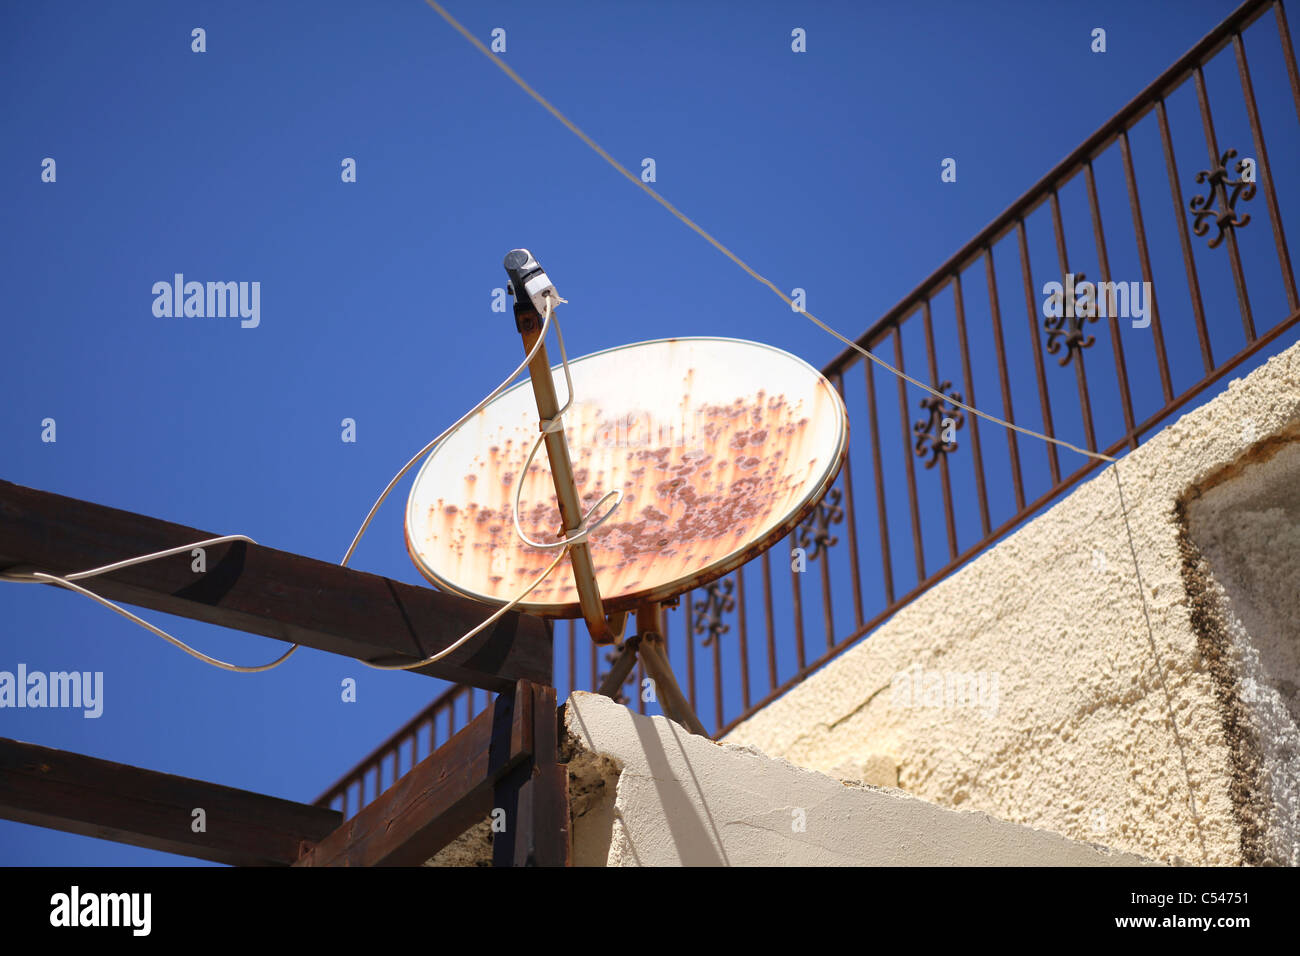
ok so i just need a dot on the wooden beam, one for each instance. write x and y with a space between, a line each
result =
274 593
535 795
440 798
113 801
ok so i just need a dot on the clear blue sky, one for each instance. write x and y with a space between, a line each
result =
821 169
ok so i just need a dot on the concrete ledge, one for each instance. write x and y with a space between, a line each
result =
646 793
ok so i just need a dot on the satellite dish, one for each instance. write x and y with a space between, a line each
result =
720 446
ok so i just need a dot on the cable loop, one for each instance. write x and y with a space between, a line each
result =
28 575
35 576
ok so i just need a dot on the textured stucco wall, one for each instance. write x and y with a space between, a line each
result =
1037 691
646 793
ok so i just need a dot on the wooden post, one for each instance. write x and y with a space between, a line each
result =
535 795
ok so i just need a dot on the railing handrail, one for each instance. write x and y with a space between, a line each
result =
1134 110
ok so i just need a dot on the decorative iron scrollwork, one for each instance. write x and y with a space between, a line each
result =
929 432
814 534
708 614
1218 181
1069 324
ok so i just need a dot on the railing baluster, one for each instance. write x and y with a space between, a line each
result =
1185 241
1234 255
1008 411
969 394
743 636
796 594
918 550
1288 54
855 572
950 520
1080 375
886 563
824 559
1103 261
717 677
1031 303
689 621
769 620
1144 259
1264 172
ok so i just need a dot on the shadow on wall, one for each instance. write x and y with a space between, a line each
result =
692 831
1241 567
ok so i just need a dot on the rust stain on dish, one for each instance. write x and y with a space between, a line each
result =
705 492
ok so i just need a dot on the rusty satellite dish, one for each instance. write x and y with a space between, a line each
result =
721 446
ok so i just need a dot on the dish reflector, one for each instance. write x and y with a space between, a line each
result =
721 447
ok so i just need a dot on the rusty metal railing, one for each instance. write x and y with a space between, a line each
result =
989 349
416 739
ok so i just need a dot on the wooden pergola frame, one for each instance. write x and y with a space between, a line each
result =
506 758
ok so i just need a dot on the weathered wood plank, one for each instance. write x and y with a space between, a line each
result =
274 593
112 801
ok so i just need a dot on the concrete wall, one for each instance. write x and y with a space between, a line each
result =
645 793
1138 695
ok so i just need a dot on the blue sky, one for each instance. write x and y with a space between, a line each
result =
821 169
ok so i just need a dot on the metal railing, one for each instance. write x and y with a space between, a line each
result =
416 739
1119 395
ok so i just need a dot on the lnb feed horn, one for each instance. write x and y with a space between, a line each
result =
528 278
